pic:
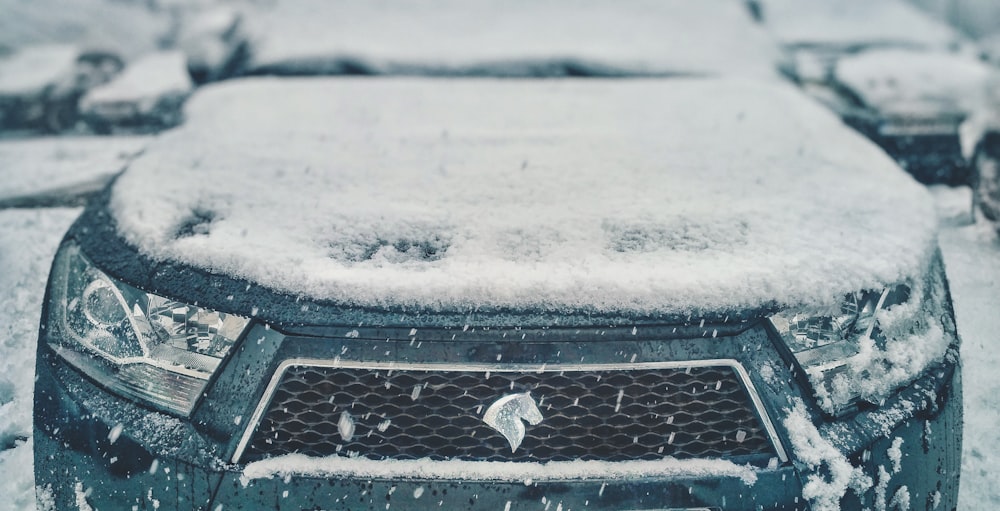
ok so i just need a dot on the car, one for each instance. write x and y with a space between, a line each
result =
418 293
146 97
41 85
830 41
986 189
524 39
61 171
934 107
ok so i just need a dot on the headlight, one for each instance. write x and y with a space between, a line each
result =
844 351
136 344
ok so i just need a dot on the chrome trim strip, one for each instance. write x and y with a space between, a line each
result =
506 368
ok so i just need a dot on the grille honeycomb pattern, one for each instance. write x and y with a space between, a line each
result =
618 415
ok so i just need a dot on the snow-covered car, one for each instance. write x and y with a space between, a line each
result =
866 60
147 96
41 85
61 171
934 107
522 38
361 293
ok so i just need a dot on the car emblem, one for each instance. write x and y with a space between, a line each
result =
506 414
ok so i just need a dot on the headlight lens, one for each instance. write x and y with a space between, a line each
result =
139 345
835 347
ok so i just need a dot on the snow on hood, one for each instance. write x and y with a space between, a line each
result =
901 80
639 196
855 23
521 37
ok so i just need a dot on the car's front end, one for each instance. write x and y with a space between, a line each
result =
273 401
571 296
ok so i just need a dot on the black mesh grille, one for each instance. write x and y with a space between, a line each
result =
616 415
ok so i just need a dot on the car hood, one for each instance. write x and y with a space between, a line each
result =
642 196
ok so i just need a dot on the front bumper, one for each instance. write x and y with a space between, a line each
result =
114 454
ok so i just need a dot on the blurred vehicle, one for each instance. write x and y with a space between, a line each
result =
61 171
215 43
525 38
41 85
147 96
121 27
829 40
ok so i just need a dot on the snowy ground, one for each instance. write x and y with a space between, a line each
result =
28 239
972 256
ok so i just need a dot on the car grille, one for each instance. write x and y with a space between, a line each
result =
622 414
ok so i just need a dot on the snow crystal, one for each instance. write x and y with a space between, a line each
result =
339 466
81 497
45 500
830 475
901 499
345 426
523 37
881 503
115 433
370 204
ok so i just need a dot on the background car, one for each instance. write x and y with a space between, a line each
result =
523 39
146 97
40 85
832 41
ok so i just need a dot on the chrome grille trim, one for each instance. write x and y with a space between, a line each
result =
279 373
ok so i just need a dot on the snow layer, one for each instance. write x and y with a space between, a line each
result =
522 37
36 166
144 81
829 474
855 23
30 70
28 241
908 81
645 196
341 466
972 255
